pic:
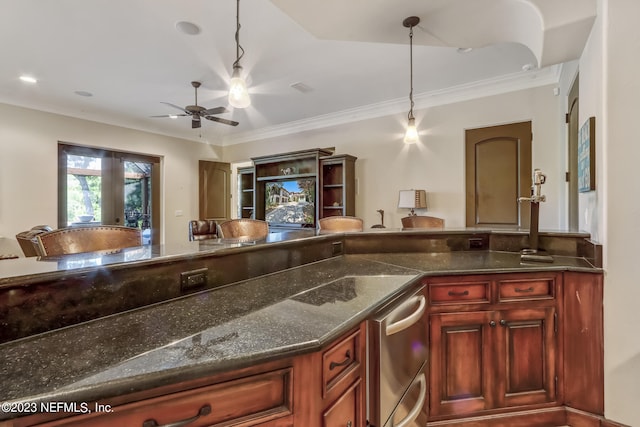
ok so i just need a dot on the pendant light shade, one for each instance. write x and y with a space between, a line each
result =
238 92
411 136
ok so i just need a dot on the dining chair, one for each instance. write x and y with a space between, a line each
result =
418 221
27 239
97 238
338 224
203 229
244 229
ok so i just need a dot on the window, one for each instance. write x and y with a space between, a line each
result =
108 187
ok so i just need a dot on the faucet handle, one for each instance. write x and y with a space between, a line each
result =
539 177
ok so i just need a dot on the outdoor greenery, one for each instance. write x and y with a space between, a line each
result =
84 189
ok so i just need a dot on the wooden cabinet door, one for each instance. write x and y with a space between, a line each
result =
346 411
525 347
498 171
214 190
462 366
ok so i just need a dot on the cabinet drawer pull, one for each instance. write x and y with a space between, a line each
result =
492 323
205 410
529 289
458 294
345 362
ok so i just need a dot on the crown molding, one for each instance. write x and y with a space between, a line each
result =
479 89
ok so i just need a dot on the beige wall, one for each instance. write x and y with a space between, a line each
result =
386 165
28 167
28 143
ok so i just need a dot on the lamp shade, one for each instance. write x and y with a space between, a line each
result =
238 93
412 199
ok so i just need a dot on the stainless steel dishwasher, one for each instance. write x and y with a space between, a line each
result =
397 363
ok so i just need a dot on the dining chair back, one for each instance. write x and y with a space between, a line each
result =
337 224
97 238
203 229
28 242
244 229
418 221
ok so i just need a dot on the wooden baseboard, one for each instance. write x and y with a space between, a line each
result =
558 416
578 418
537 417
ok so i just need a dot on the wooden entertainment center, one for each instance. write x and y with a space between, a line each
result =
324 183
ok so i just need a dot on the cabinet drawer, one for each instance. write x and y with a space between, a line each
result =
339 361
459 293
526 289
246 401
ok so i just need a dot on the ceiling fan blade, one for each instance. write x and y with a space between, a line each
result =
225 121
217 110
171 115
175 106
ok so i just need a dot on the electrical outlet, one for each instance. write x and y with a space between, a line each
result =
193 279
336 248
476 243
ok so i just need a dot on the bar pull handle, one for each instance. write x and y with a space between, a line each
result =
529 289
205 410
458 294
345 362
415 411
413 318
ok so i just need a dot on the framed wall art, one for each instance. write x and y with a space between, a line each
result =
587 156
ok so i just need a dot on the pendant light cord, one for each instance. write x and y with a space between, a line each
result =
411 71
239 49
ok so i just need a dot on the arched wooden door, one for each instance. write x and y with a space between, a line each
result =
498 171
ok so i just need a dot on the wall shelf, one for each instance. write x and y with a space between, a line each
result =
338 185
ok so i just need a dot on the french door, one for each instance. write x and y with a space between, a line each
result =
97 186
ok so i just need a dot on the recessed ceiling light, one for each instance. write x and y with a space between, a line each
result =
187 28
527 67
83 93
28 79
464 49
173 116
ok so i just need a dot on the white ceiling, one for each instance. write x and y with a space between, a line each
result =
352 54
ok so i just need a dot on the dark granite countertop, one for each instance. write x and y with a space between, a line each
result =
17 270
287 313
472 262
277 315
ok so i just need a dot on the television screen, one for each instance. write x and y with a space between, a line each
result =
291 202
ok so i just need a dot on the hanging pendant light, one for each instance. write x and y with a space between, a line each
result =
238 93
411 136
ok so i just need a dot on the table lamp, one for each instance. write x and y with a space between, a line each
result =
412 199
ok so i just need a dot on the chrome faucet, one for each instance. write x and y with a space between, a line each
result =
538 179
535 199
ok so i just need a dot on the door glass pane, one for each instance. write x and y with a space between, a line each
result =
137 197
84 189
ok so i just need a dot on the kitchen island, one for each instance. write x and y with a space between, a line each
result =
283 302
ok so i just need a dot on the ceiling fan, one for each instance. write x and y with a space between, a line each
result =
197 112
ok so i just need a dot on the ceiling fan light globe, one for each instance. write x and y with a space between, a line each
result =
411 136
238 93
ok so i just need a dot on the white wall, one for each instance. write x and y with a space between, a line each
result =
615 104
386 165
28 168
